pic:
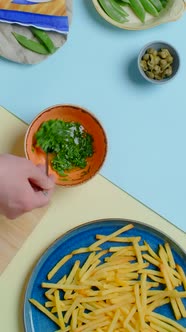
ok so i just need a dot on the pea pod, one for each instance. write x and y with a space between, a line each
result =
138 9
164 3
44 38
123 2
30 44
118 7
112 12
157 4
149 7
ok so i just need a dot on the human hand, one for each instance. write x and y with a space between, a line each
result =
23 186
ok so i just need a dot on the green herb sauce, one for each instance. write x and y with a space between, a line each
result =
68 142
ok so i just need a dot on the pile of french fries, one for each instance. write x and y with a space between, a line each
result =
117 289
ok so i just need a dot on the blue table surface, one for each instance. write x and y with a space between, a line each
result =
145 123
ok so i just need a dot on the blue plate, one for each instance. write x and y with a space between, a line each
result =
82 236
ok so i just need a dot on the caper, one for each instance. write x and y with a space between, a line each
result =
158 77
169 59
150 74
168 71
150 50
156 60
157 69
150 62
143 65
164 53
155 52
163 63
146 57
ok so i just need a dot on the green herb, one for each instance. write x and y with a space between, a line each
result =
69 144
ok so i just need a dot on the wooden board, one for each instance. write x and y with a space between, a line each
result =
12 50
13 233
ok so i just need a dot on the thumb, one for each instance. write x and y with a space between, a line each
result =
40 179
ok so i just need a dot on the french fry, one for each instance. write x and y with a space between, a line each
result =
58 309
157 328
151 252
138 252
111 236
169 321
130 315
45 311
170 256
139 306
167 325
114 321
158 279
170 287
157 304
144 291
174 281
151 260
58 266
182 275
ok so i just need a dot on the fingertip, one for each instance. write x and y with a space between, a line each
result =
52 177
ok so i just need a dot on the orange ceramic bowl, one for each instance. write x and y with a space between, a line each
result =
91 125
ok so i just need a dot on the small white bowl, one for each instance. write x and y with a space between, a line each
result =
157 45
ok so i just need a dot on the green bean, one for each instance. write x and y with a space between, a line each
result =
118 7
149 7
43 37
30 44
138 9
157 4
112 12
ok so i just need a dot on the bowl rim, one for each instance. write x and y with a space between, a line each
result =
141 53
88 112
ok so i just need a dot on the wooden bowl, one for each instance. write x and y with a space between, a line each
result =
173 11
91 125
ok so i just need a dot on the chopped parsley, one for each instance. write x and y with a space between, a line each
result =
68 142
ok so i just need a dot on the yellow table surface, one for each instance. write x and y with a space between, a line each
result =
96 199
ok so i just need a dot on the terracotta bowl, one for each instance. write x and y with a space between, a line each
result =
91 125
